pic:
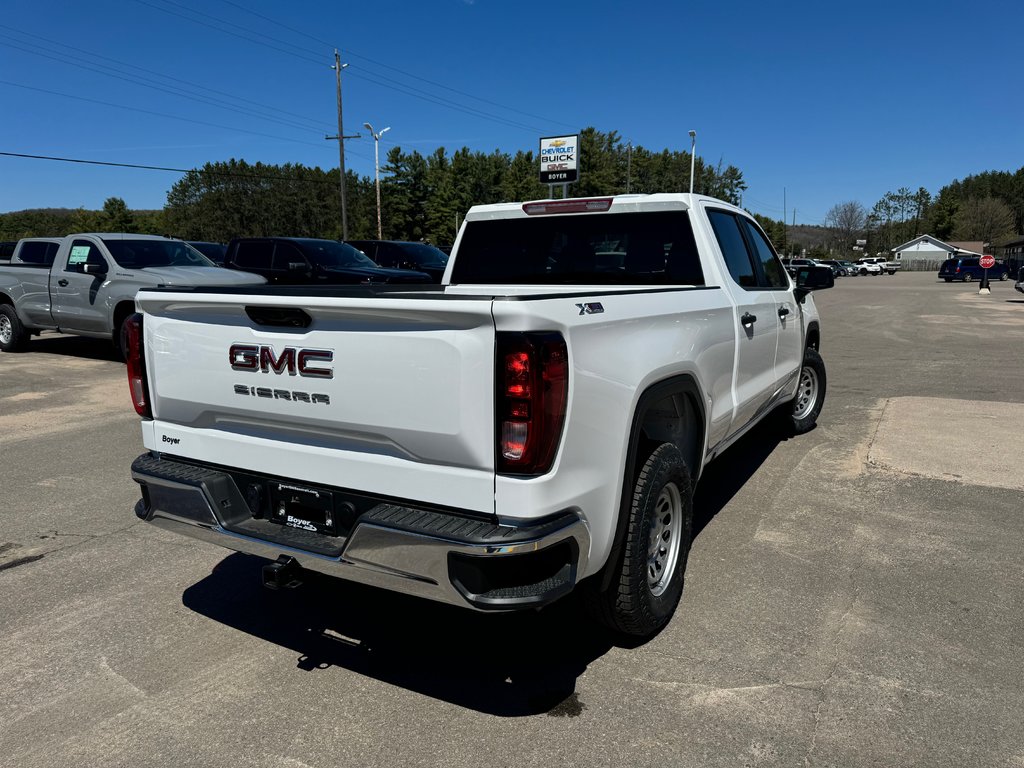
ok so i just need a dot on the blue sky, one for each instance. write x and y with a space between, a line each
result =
830 101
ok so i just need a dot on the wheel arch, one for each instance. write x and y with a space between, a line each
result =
122 309
668 411
813 336
5 299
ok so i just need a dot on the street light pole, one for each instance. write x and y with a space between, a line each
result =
376 170
693 156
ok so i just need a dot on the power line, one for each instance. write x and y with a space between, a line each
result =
388 66
159 114
306 55
174 91
229 174
189 83
309 59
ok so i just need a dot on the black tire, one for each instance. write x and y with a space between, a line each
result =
13 335
1003 276
647 583
863 272
948 279
810 394
968 277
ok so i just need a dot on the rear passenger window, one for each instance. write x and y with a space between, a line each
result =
734 249
387 256
774 272
38 253
254 255
288 254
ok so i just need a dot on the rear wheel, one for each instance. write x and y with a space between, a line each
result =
12 333
948 279
1003 276
648 579
968 277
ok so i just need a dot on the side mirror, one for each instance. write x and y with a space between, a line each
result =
94 269
812 279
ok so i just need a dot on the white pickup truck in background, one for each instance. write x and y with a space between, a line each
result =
534 424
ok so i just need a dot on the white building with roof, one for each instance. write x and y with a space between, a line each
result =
925 253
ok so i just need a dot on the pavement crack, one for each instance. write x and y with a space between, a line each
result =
822 687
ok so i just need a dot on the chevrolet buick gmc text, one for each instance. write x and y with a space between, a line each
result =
534 424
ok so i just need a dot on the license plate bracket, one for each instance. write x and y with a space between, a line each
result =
307 509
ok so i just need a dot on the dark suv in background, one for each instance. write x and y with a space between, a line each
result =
402 254
966 268
307 261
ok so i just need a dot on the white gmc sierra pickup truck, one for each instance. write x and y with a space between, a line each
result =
536 422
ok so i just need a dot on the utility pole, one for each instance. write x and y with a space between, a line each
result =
629 164
693 156
338 66
783 219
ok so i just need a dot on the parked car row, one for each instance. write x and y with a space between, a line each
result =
272 254
869 265
86 283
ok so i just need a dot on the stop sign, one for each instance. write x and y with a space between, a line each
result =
987 262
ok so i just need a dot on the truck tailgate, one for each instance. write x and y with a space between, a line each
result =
387 395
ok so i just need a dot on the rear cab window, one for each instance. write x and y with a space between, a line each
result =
38 252
644 248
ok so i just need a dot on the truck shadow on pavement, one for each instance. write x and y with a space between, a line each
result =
727 474
510 665
73 346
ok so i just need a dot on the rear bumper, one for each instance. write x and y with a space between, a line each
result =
447 556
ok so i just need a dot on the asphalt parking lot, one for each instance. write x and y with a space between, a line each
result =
855 596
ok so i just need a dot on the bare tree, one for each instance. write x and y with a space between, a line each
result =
846 220
983 218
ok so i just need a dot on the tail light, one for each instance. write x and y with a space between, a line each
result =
135 356
532 380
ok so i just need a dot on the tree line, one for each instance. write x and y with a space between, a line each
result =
423 197
986 207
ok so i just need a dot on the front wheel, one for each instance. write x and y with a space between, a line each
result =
12 333
810 392
648 579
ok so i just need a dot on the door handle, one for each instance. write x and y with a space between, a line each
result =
748 319
783 311
62 283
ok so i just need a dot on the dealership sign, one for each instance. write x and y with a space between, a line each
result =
559 159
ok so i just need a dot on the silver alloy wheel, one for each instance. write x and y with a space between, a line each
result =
806 393
6 330
666 535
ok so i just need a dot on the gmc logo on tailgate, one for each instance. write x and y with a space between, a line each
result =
294 362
